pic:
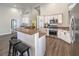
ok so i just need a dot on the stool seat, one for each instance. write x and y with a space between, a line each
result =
14 37
21 47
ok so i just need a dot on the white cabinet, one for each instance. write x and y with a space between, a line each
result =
60 18
40 46
59 33
68 39
64 35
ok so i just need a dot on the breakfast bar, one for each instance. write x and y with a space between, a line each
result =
33 38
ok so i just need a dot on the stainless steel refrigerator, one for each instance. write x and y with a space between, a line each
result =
74 23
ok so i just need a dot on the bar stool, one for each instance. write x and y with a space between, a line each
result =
21 48
12 43
13 37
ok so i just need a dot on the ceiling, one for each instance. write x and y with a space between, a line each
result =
23 5
19 5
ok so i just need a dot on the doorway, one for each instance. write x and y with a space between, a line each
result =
13 25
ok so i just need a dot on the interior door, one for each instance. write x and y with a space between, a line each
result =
13 25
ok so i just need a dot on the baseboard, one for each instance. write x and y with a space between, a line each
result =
4 34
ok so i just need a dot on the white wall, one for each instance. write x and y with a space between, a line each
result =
6 14
26 13
49 9
32 15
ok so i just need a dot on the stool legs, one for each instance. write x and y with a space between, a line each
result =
9 53
21 54
28 52
16 52
13 54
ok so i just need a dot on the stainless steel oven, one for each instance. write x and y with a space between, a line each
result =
53 30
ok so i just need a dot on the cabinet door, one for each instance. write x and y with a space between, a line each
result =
63 33
59 33
40 46
68 37
60 18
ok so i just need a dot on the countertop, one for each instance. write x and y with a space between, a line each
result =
62 28
31 31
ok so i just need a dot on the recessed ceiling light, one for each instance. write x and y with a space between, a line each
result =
14 9
14 5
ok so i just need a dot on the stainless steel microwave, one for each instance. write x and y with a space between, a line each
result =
53 21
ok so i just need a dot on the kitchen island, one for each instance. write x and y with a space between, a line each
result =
33 38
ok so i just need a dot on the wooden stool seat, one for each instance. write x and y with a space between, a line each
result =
21 47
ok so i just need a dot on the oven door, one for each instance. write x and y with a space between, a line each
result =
52 32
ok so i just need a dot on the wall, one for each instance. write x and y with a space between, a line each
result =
6 14
34 17
32 14
26 13
49 9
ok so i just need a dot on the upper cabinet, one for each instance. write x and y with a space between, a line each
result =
50 19
54 19
60 18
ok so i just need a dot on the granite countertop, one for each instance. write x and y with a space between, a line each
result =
31 31
64 28
27 30
41 34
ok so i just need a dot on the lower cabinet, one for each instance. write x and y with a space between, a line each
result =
40 46
64 35
68 37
